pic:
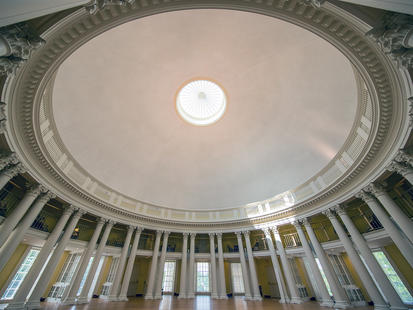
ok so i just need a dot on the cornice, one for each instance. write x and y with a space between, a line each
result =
384 80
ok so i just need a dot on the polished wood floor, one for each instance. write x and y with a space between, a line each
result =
198 303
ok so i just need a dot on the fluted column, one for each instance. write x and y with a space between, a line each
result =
378 273
114 289
276 266
404 222
402 243
191 278
17 214
17 234
158 290
152 272
214 293
72 294
24 290
184 266
84 294
374 293
245 276
295 297
221 270
129 267
326 300
254 280
340 297
34 300
7 174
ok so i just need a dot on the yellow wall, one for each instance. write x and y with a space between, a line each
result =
12 264
355 276
402 265
262 266
104 274
227 271
303 275
56 273
177 276
143 265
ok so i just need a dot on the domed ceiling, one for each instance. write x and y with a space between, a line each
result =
291 102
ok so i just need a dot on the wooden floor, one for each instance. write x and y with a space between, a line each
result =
199 303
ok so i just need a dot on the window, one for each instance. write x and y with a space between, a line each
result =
394 278
237 280
84 276
324 277
202 277
297 279
69 268
168 277
20 274
109 279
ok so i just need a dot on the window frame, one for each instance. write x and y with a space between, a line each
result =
232 280
196 278
173 280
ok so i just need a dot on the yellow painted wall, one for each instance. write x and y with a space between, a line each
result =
56 273
104 274
355 276
227 271
303 275
12 263
143 265
177 276
262 265
401 263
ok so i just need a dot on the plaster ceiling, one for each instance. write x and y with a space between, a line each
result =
291 104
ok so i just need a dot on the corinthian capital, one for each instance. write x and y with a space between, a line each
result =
375 189
329 213
96 5
399 168
403 157
366 197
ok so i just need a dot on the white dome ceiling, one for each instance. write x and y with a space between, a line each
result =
291 102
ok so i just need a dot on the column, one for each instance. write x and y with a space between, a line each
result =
254 281
214 293
394 210
129 266
17 234
34 300
221 270
243 266
276 266
326 300
114 289
403 170
158 287
10 159
191 277
152 273
295 297
36 269
72 294
17 214
340 297
371 262
374 293
84 294
391 228
9 173
184 266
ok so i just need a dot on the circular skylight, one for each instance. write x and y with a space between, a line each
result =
201 102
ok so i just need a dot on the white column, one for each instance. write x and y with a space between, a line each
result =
158 287
245 276
401 242
254 280
221 270
326 300
9 173
17 234
394 210
114 289
129 267
374 293
72 294
34 300
10 159
17 214
191 277
276 266
152 272
340 297
84 294
381 279
36 269
214 293
184 266
404 171
295 298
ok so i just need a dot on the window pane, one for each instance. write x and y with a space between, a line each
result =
237 281
82 283
394 278
324 277
202 277
168 277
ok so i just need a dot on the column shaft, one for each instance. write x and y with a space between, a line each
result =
129 267
158 287
191 278
9 173
253 271
214 293
243 266
184 266
221 270
295 297
152 273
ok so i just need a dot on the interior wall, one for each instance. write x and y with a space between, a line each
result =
56 273
400 263
104 274
12 263
355 276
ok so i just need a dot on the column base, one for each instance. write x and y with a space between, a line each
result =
326 303
69 301
398 308
382 307
248 297
283 301
296 300
148 297
16 305
223 297
113 298
181 296
341 304
82 300
158 297
123 298
214 296
256 298
32 304
190 296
